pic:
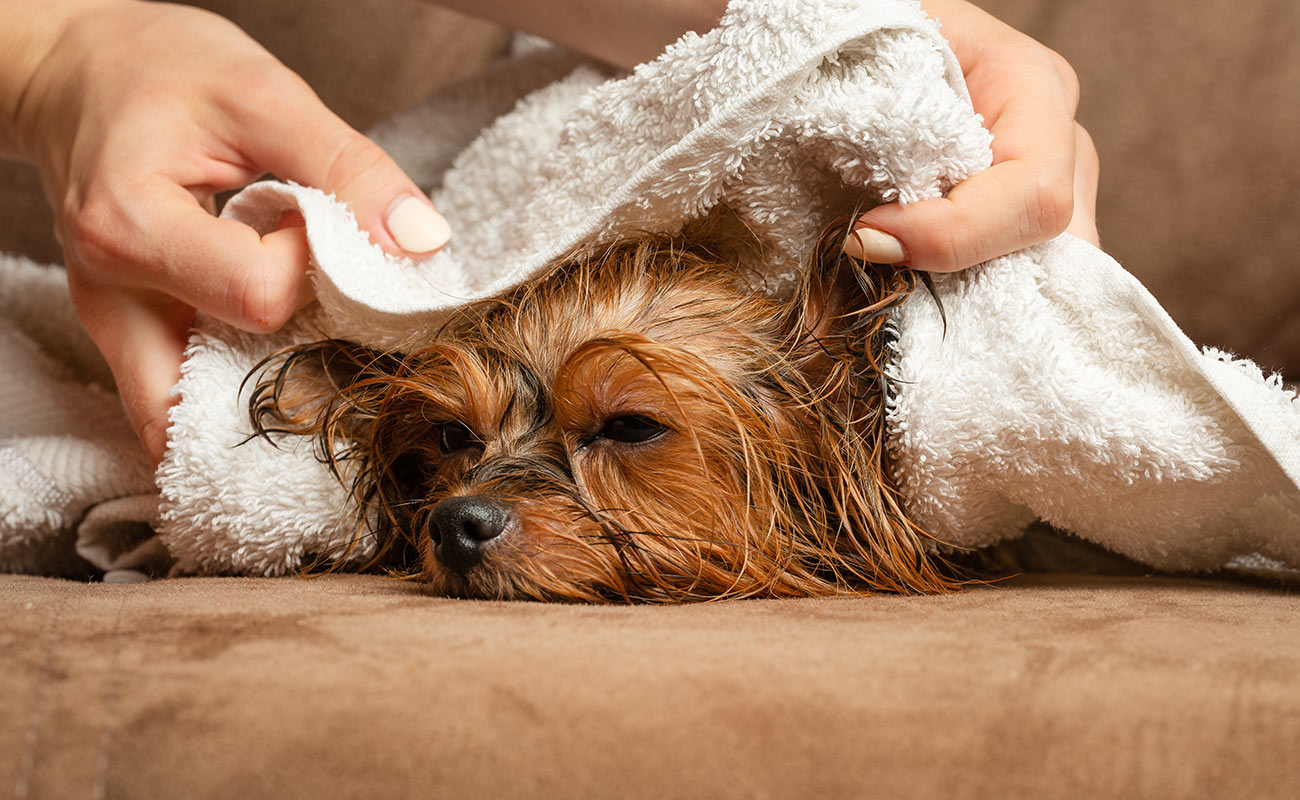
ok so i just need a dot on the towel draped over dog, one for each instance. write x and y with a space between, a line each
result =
1052 386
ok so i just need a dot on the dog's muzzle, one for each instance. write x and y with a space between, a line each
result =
462 528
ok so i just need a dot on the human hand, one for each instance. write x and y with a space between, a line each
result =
1044 175
136 115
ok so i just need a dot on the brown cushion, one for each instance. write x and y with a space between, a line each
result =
360 686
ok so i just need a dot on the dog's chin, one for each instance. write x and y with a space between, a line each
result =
484 583
473 585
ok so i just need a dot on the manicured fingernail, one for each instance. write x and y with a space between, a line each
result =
416 227
878 247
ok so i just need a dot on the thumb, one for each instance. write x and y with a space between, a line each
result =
303 141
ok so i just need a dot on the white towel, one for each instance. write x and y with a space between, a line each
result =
72 475
1059 389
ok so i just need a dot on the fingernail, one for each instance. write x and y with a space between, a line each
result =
878 247
416 227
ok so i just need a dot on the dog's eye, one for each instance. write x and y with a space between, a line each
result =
631 428
454 437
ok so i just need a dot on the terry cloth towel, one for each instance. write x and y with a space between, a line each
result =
1056 389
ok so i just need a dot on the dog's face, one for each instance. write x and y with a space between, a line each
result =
635 426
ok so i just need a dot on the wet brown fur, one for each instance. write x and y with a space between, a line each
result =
771 478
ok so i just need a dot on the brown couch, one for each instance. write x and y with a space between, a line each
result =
1043 686
354 686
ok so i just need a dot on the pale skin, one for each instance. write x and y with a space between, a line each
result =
138 113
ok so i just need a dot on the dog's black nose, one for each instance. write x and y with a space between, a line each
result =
462 527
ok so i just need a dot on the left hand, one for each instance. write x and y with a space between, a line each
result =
136 114
1044 175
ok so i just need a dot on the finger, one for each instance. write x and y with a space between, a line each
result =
1026 197
1087 170
154 237
287 244
143 342
310 145
1003 209
223 268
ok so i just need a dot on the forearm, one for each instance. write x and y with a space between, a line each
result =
31 28
620 32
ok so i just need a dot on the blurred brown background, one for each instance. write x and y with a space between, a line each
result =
1195 110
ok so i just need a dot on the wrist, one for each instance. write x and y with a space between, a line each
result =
25 44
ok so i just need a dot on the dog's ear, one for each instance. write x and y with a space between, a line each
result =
840 312
839 323
329 389
335 391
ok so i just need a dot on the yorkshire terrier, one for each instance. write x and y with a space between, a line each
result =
637 425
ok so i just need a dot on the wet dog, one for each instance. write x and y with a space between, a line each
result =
636 425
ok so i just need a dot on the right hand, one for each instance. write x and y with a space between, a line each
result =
1044 175
136 115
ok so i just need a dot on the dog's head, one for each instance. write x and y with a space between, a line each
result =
637 425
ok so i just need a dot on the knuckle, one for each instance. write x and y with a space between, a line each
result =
266 300
1086 148
266 86
354 157
1065 74
1039 63
945 253
949 257
152 433
89 231
1052 205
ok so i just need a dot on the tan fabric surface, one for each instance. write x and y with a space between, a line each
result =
361 687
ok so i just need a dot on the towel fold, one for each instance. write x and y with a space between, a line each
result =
66 448
1057 389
